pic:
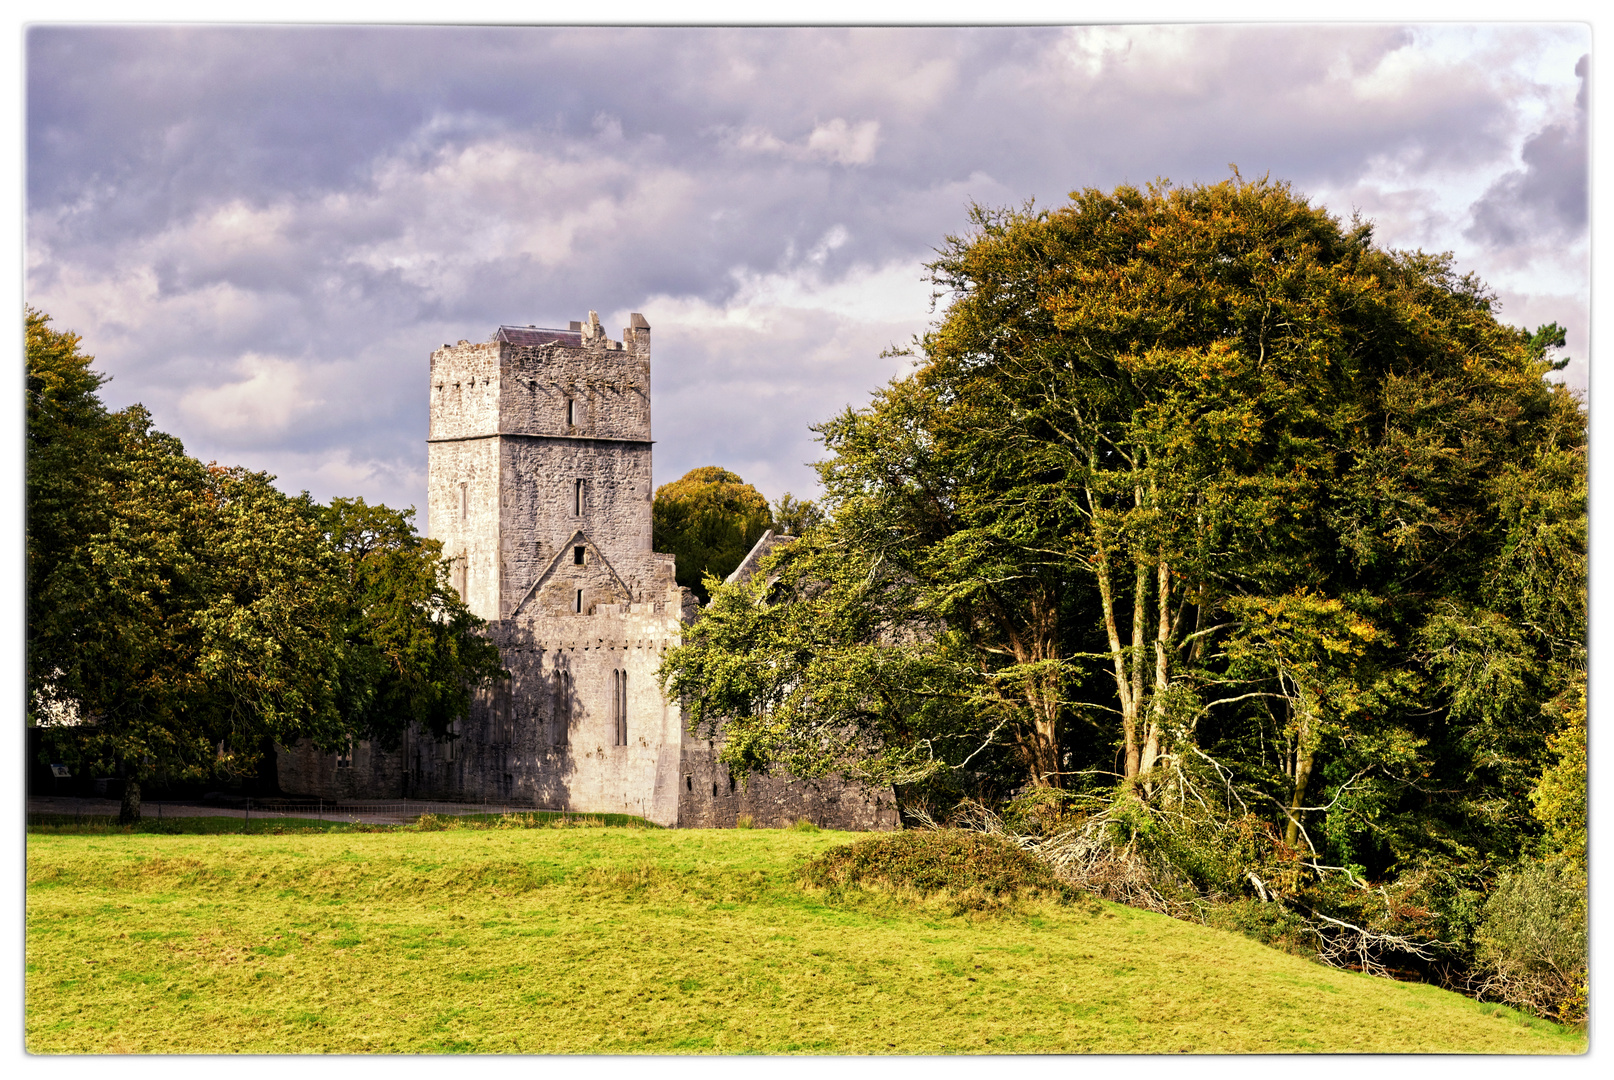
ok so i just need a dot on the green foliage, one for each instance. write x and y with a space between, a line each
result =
1273 925
794 517
1199 491
413 652
1559 798
709 519
191 618
182 617
819 687
957 861
1532 941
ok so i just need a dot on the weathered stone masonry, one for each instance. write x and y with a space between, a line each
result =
539 486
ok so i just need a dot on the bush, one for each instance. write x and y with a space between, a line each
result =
964 863
1273 925
1531 941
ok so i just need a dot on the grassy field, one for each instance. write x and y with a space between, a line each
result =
624 940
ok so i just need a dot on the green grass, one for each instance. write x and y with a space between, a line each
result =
106 825
619 940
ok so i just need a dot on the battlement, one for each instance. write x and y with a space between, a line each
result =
544 381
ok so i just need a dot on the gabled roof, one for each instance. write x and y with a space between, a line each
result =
748 565
537 335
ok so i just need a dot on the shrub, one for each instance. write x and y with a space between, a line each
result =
956 861
1273 925
745 821
803 825
1531 941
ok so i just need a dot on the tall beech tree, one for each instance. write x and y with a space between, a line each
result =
1200 481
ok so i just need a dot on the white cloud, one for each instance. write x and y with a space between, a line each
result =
270 396
845 144
834 141
1090 49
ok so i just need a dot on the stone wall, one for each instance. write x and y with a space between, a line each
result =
710 796
544 519
550 738
462 508
372 773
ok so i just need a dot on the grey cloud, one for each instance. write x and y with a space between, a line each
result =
1546 197
330 202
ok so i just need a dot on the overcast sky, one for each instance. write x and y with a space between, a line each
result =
263 232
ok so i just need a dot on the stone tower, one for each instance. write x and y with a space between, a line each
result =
538 469
539 486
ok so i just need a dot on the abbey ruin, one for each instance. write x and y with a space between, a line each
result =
539 486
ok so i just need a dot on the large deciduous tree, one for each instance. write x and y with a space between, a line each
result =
183 617
412 651
1196 479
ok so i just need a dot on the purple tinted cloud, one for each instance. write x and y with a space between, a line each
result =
263 231
1547 197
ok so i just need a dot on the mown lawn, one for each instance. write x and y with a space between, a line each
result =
624 940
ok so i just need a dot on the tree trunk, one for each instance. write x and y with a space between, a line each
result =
1123 684
1038 644
1162 671
1303 754
129 812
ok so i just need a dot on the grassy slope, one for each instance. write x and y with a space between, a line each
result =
633 940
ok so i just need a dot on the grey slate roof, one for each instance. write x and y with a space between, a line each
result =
537 335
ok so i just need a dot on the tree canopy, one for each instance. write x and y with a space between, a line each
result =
1194 493
709 519
182 616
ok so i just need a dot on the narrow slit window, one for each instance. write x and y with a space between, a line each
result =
571 412
580 601
577 555
465 502
616 710
577 498
622 708
563 708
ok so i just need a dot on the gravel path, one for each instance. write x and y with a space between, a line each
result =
391 812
